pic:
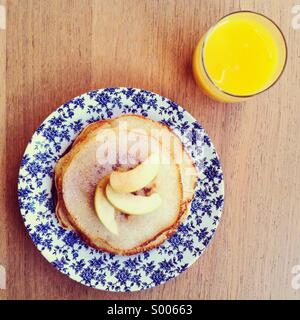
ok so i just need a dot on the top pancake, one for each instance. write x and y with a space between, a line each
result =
77 174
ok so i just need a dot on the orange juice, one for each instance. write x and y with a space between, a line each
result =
242 55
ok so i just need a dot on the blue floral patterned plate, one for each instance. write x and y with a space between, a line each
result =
64 249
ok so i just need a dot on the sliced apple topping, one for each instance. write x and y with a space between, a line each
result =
133 204
114 192
136 178
105 211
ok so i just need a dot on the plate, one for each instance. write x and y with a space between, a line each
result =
64 249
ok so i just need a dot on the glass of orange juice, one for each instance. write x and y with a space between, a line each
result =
242 55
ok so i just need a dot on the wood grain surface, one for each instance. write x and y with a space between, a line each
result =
3 213
58 49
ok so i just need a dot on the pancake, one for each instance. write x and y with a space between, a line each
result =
76 179
136 233
60 210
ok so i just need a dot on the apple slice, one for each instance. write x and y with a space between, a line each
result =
133 204
136 178
105 211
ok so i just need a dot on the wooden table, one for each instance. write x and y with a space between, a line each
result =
54 50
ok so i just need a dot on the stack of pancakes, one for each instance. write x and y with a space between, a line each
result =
103 147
